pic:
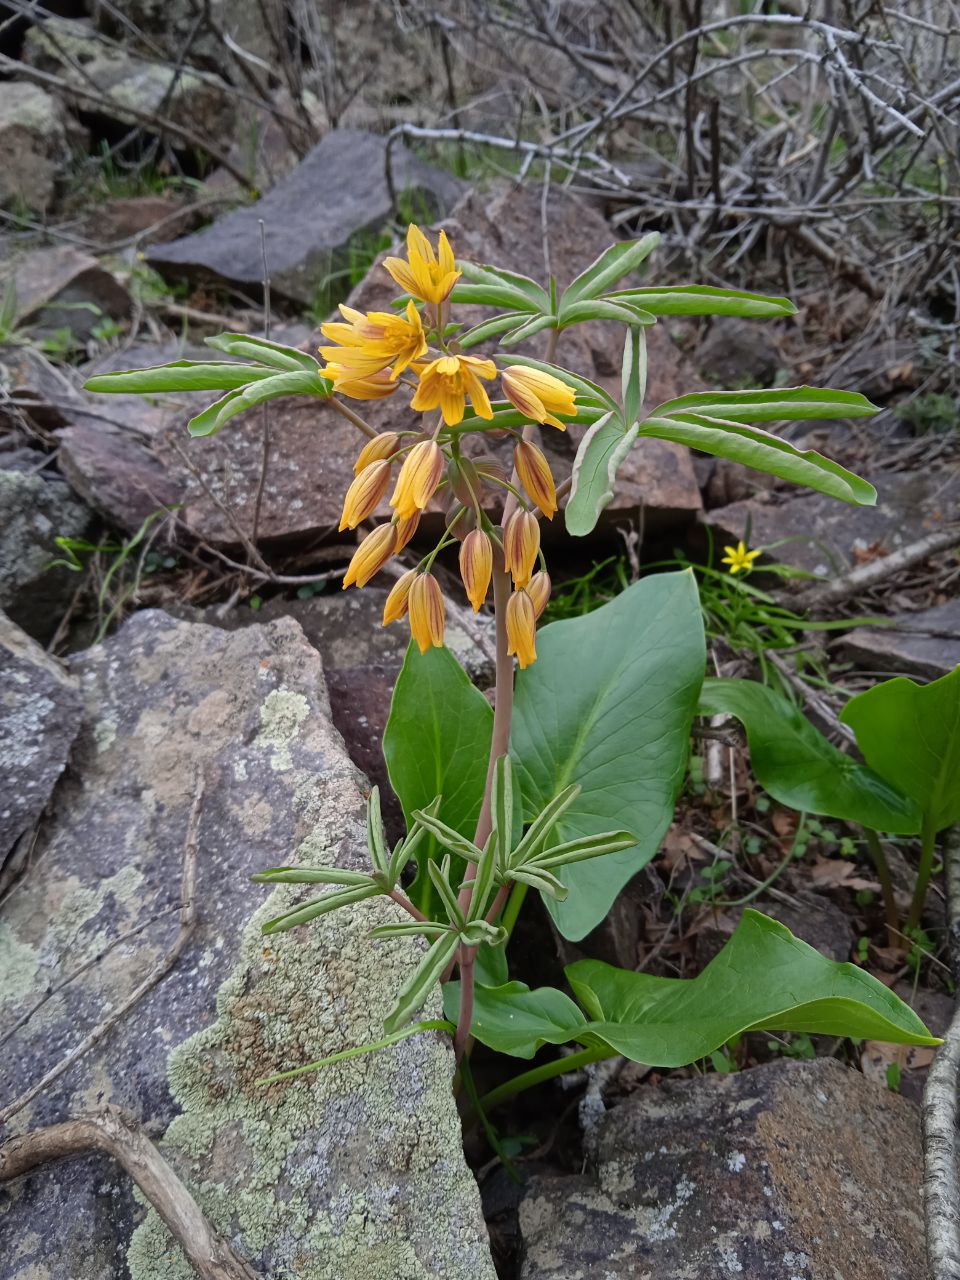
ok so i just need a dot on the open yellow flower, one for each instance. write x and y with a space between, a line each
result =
371 342
446 383
426 611
538 395
427 275
418 479
522 628
739 559
371 386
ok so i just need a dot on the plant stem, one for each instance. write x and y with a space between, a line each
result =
346 412
465 1017
512 910
402 900
928 840
886 884
528 1079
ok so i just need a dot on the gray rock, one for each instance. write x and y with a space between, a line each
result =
783 1172
828 537
353 1170
33 145
39 719
34 388
738 353
104 79
171 23
33 513
338 190
61 287
924 644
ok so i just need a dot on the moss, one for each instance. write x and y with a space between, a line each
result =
353 1171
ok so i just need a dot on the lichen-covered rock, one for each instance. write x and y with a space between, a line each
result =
39 719
338 1174
790 1171
33 145
34 512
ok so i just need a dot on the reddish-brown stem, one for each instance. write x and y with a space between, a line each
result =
465 1017
503 893
402 900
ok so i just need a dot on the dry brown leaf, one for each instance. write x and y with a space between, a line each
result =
837 873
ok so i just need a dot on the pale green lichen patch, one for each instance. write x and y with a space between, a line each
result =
356 1170
281 717
18 965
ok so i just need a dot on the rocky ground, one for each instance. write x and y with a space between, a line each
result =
175 716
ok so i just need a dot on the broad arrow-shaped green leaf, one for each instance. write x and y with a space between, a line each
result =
608 704
800 767
910 734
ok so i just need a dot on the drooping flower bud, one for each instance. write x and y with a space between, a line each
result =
538 589
426 611
365 494
476 566
383 445
521 628
418 479
521 543
536 477
406 529
371 555
395 606
538 395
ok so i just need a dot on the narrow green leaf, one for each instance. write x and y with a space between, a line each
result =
779 405
604 309
562 855
318 907
178 375
358 1051
704 300
477 933
310 875
422 981
376 836
594 477
501 802
612 265
609 704
440 874
763 452
276 355
633 374
490 328
528 330
542 825
910 734
493 295
498 277
410 929
211 420
448 836
801 768
543 881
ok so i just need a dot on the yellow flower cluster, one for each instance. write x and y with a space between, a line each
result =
371 355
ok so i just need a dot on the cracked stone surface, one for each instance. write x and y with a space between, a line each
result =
354 1171
789 1171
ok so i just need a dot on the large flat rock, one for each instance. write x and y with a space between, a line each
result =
924 644
338 190
354 1170
789 1171
828 537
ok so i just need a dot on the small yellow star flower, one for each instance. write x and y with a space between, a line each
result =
427 275
446 383
426 611
371 342
538 395
418 479
522 628
739 559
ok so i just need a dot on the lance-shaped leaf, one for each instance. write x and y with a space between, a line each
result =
603 309
763 452
448 836
497 277
528 330
440 875
704 300
561 855
542 825
543 881
910 734
763 979
493 295
406 850
594 477
477 933
422 981
608 705
784 403
410 929
799 767
501 807
612 265
376 836
633 374
312 875
319 907
219 414
490 328
276 355
178 375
